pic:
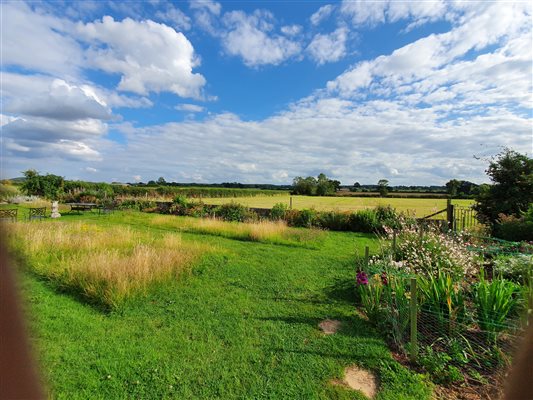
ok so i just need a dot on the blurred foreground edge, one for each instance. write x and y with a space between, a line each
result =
18 375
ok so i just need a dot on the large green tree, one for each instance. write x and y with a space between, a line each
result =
49 186
383 187
511 191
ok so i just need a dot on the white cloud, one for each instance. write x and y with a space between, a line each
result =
151 57
420 64
38 41
61 101
330 47
321 14
176 17
212 6
91 169
189 107
251 37
370 12
291 30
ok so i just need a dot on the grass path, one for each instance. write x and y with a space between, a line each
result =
243 325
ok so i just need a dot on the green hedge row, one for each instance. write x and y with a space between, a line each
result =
365 221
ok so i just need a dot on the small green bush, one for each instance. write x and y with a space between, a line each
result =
234 212
364 221
279 211
306 219
333 220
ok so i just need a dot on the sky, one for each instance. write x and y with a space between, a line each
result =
416 92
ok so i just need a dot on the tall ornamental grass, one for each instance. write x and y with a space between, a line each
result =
276 232
103 265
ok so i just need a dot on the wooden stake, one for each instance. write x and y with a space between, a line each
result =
413 317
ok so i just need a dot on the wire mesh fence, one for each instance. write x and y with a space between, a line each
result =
452 344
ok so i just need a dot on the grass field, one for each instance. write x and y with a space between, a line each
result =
420 207
240 322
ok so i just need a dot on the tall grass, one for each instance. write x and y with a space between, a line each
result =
104 265
276 232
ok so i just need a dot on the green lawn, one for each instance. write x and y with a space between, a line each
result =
241 325
420 207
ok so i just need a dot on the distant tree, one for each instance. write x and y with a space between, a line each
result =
320 186
356 187
304 186
151 183
336 185
452 186
324 185
383 187
49 186
512 190
161 181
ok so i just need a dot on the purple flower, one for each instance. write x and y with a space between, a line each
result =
362 278
384 279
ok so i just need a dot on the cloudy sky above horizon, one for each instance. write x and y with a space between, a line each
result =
261 92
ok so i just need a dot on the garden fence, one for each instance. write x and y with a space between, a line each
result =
454 346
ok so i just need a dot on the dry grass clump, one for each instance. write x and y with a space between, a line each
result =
276 232
105 265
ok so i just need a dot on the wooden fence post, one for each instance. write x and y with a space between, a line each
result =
449 214
367 256
413 317
290 204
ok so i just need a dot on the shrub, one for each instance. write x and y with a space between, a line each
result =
517 268
234 212
365 221
430 251
387 216
306 218
279 210
333 220
509 227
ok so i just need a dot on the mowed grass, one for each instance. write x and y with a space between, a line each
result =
418 207
104 265
242 325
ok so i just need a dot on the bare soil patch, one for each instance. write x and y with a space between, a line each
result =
359 379
329 326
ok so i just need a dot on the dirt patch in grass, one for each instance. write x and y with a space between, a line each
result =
330 326
359 379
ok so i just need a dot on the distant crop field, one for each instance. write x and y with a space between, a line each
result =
420 207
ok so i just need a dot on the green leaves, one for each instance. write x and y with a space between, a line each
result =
495 301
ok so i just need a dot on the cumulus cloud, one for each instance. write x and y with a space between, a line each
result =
321 14
150 57
330 47
250 36
62 101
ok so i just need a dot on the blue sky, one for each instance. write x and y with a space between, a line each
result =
264 91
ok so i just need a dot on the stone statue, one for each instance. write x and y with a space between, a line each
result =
55 209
